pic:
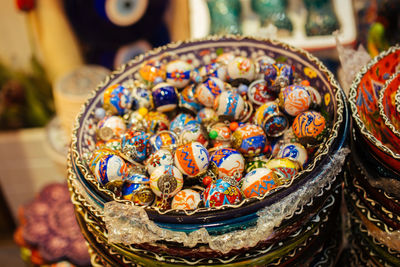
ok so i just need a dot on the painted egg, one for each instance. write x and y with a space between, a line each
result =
296 99
97 155
156 121
271 119
186 199
187 99
140 194
178 73
213 70
285 169
285 76
294 151
207 91
270 71
229 105
250 140
225 58
206 116
165 97
163 139
221 193
242 68
309 127
262 63
227 162
192 159
110 168
220 133
136 178
110 126
152 69
194 133
258 92
180 121
258 182
141 97
159 158
166 181
136 145
117 99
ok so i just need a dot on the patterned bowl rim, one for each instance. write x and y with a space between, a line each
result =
385 118
352 100
325 148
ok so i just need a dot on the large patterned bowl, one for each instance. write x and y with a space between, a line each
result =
388 108
200 52
363 99
279 214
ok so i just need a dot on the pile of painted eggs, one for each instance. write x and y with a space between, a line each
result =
180 137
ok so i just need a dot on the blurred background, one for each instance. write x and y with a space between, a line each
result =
54 53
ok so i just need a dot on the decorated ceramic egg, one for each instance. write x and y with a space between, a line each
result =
178 73
250 140
229 105
97 155
206 116
136 145
285 76
207 91
242 68
221 193
270 71
166 181
180 121
110 126
213 70
220 134
271 119
186 199
156 121
258 93
110 168
227 162
141 97
165 97
225 58
309 127
194 133
117 99
163 139
192 159
261 63
187 99
152 69
294 151
139 193
136 178
295 99
284 168
159 158
258 182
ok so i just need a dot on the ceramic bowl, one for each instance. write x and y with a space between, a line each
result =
200 52
388 106
363 99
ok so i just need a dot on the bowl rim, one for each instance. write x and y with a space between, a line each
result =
322 153
382 112
354 111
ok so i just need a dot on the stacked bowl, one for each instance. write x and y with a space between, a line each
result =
296 222
372 177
